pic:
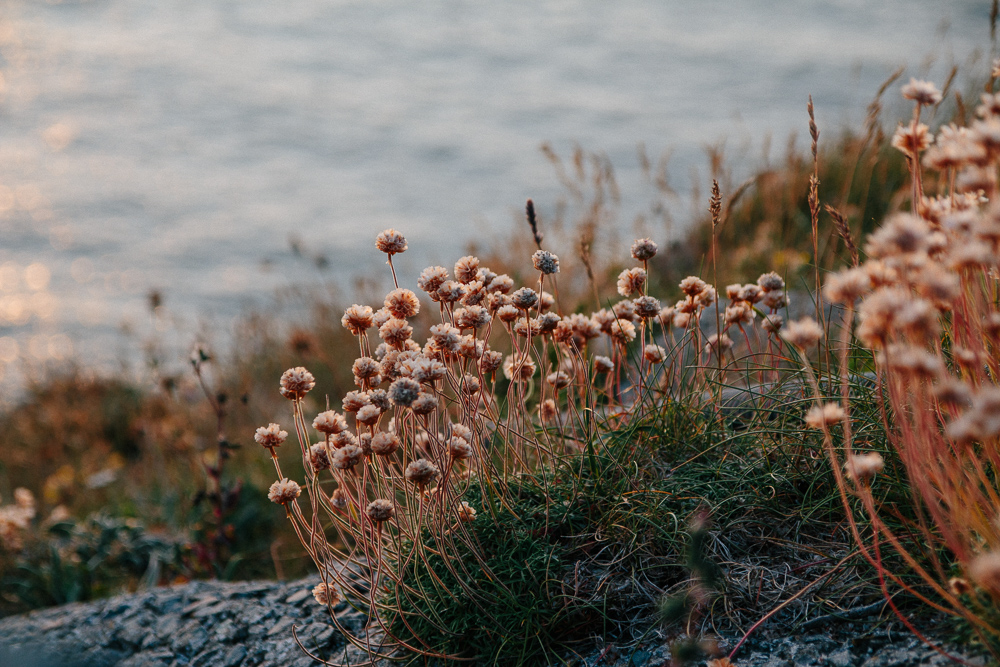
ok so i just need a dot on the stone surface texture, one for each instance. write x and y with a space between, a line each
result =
249 624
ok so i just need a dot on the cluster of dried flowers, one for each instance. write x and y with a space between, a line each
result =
925 302
386 476
426 420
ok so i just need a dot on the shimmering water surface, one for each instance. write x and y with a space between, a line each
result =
178 144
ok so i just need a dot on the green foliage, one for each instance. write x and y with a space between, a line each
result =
79 561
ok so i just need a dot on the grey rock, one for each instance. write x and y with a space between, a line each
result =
233 657
298 596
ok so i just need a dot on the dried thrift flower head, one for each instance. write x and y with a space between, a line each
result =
465 512
325 595
558 379
647 307
380 399
284 491
395 333
450 292
329 422
384 443
391 242
631 281
862 467
666 317
380 511
707 297
847 286
343 439
490 362
985 571
365 368
368 415
644 249
527 326
751 293
339 499
421 472
404 391
603 364
654 354
518 369
955 147
355 400
921 92
319 456
347 457
270 436
358 319
501 284
693 286
622 332
770 282
431 279
824 416
545 262
739 313
772 323
912 141
459 448
623 310
382 315
524 298
402 303
508 314
466 269
470 384
682 320
714 343
475 294
775 299
424 405
803 334
547 411
547 322
296 383
902 233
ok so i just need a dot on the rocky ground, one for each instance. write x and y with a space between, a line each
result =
214 624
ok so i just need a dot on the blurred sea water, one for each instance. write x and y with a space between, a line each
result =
177 145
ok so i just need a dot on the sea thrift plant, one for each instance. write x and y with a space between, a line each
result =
502 383
923 308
